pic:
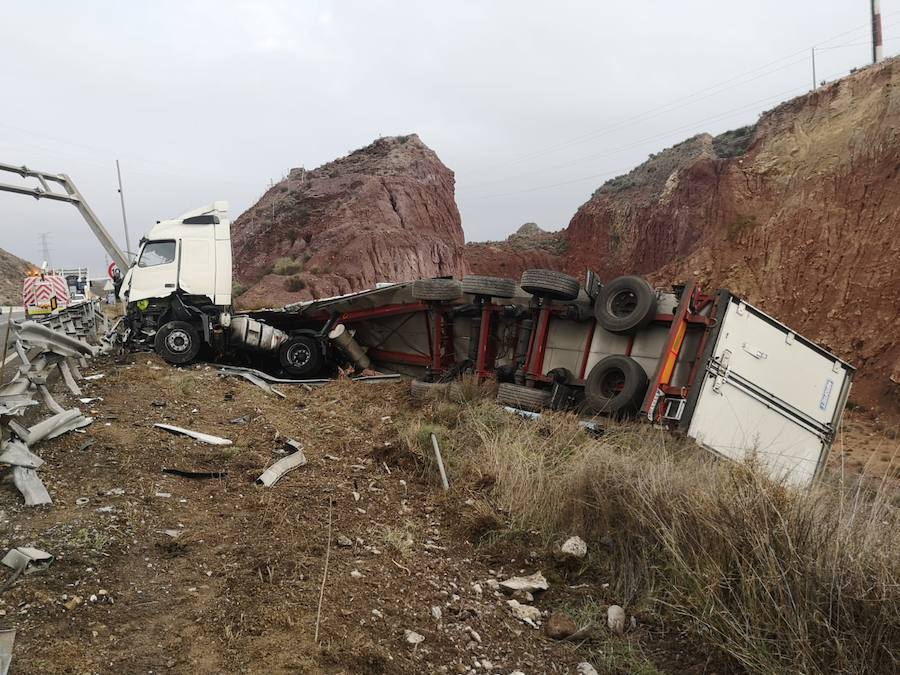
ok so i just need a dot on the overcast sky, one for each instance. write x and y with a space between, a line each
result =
532 104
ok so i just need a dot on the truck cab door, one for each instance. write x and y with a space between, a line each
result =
155 274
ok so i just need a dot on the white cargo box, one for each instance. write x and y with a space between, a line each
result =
767 393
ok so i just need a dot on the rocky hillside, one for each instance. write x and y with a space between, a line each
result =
527 248
383 213
12 269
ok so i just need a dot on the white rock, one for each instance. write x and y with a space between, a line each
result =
524 613
436 613
376 613
356 574
493 584
476 588
585 668
615 618
344 541
575 547
529 584
412 637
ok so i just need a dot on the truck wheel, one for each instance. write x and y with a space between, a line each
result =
550 284
616 386
177 342
495 287
525 398
436 289
625 305
301 356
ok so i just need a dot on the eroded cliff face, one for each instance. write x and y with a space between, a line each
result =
802 220
383 213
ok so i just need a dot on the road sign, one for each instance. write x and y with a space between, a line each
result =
112 270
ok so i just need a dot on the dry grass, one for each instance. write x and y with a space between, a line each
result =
775 579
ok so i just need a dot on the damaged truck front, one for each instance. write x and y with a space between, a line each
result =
177 292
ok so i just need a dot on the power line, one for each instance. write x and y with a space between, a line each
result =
671 105
645 140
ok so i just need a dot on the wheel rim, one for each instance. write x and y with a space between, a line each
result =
178 341
623 303
612 383
298 355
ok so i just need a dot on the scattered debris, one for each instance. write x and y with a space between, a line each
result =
436 613
243 419
615 619
82 501
525 613
17 453
529 584
253 378
195 474
345 541
272 475
574 547
585 668
27 559
412 637
205 438
440 461
31 486
7 638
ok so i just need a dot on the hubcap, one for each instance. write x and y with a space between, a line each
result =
178 341
298 355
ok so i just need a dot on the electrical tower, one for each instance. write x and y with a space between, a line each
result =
45 248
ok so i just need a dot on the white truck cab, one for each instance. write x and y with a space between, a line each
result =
190 254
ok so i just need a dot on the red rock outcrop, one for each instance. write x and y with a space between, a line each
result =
798 214
383 213
527 248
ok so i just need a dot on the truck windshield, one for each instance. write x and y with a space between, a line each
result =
157 253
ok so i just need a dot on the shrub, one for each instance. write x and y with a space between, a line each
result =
237 289
287 266
294 284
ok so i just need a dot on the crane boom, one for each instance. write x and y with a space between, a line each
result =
45 190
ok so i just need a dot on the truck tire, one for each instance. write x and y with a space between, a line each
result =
562 375
301 356
495 287
436 289
525 398
625 305
550 284
616 385
177 342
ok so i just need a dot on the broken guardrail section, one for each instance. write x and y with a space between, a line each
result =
56 345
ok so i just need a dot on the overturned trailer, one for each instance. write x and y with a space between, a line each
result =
708 365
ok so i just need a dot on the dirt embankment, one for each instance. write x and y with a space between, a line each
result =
798 214
383 213
12 271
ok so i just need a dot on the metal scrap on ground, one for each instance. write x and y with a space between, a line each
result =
273 474
198 435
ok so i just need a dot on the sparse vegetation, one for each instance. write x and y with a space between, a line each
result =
294 284
287 266
237 289
771 578
735 142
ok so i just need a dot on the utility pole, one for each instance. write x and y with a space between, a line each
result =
124 217
814 68
876 31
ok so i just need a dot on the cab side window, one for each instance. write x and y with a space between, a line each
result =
157 253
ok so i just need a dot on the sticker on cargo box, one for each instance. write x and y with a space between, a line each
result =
826 394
